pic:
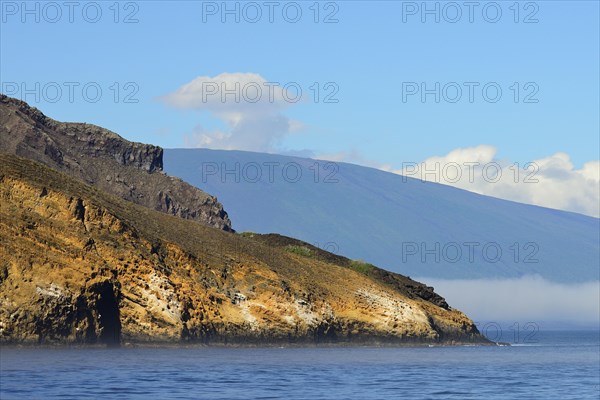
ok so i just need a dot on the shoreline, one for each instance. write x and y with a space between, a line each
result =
266 345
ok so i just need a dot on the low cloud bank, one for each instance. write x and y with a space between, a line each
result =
530 298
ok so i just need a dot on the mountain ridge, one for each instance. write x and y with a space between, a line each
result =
97 156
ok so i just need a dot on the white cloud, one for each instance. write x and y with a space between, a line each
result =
530 298
552 181
250 106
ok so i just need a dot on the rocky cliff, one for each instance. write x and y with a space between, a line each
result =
132 171
79 265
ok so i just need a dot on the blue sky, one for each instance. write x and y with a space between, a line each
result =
369 53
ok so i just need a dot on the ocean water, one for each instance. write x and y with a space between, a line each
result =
557 365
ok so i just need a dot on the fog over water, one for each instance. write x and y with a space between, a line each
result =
530 298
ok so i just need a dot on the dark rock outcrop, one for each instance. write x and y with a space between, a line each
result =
97 156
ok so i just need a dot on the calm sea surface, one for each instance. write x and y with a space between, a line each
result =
561 365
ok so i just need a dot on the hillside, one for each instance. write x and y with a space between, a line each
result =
408 226
132 171
83 266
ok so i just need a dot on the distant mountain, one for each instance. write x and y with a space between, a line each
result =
405 225
79 265
97 156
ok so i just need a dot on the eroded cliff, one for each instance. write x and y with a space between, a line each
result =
99 157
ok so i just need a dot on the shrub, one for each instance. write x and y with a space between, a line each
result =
300 250
361 266
247 234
